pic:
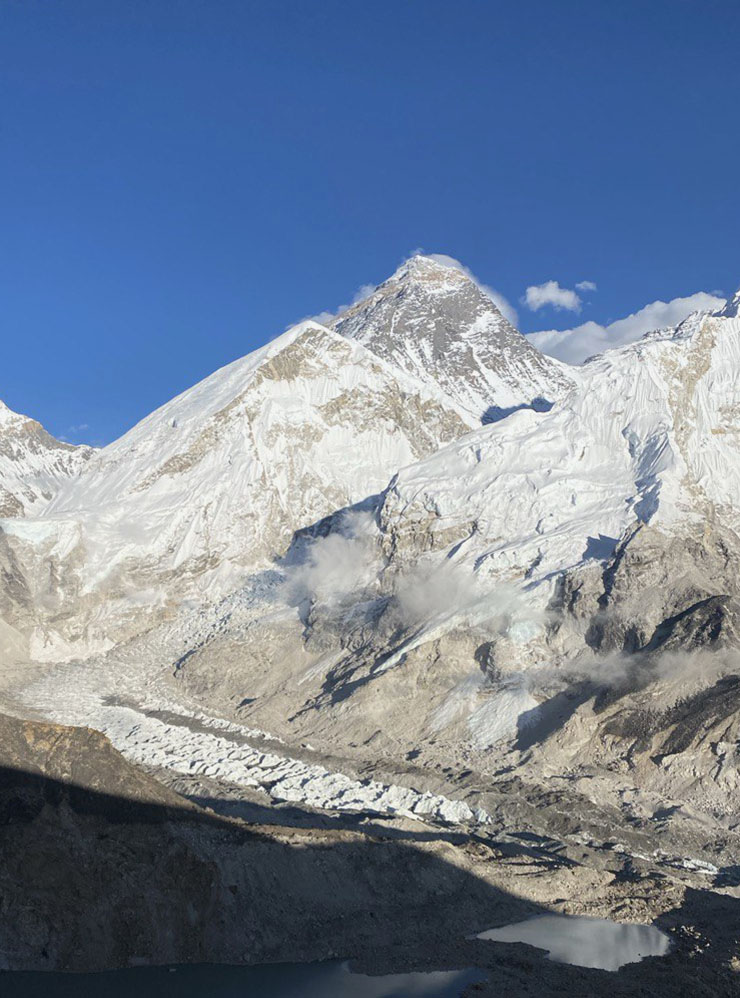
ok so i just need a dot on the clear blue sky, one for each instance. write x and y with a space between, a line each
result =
181 179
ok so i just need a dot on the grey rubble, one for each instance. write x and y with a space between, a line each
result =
103 867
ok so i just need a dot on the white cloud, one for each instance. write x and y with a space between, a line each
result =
586 286
323 318
330 568
575 345
73 431
550 293
502 304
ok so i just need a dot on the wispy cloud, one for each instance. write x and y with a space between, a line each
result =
586 286
550 293
326 318
577 344
329 569
72 434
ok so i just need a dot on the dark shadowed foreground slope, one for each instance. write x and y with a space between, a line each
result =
104 867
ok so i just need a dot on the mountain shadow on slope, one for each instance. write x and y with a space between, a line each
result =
92 879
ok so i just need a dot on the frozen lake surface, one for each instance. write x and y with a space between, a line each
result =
585 942
310 980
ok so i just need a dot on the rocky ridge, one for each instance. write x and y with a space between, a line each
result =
104 868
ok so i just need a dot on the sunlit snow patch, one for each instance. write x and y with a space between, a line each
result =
497 717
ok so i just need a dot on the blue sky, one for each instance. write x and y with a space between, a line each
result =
181 179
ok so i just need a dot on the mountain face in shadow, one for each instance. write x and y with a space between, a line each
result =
96 878
104 867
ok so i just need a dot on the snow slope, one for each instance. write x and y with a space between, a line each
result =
624 497
33 464
651 434
220 477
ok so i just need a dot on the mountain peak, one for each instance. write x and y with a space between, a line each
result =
432 319
732 307
430 285
432 266
33 463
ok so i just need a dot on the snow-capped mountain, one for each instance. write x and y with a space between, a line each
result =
275 441
651 435
216 482
527 580
33 464
219 478
732 308
649 438
323 542
432 320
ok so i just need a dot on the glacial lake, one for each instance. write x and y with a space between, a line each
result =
332 979
585 942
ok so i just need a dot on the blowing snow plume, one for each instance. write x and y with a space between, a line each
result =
433 592
329 569
679 671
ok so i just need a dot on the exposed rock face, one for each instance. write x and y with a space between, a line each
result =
661 591
431 320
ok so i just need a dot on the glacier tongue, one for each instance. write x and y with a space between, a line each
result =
192 743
